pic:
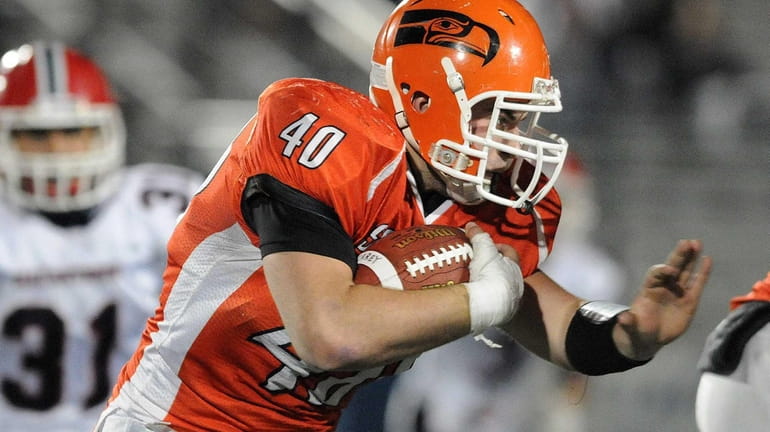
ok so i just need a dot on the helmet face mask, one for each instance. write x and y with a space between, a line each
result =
460 55
53 89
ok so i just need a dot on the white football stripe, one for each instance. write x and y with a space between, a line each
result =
382 268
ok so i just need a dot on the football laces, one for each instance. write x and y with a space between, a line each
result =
438 258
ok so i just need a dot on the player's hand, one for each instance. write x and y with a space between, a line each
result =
666 304
496 283
471 230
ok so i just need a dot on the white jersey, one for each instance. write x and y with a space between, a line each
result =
74 301
739 401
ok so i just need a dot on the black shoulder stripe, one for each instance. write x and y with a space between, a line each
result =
724 346
287 219
264 186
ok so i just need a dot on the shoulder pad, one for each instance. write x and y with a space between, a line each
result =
724 346
162 184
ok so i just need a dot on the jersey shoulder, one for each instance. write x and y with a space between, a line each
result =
152 196
160 185
724 346
328 103
324 140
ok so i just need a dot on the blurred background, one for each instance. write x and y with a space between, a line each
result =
667 104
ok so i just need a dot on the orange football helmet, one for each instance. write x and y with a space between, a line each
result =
45 86
434 60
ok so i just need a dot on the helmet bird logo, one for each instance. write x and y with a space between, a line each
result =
448 29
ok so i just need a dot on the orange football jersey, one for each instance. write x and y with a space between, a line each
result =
215 355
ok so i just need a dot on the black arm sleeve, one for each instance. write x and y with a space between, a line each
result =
286 219
589 344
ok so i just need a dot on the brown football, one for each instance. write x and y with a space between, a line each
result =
420 257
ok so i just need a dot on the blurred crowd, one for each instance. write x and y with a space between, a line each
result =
678 58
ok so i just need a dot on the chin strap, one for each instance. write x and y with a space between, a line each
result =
464 193
455 82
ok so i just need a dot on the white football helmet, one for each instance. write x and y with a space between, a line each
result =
457 54
50 86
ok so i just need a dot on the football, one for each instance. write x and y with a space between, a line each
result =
420 257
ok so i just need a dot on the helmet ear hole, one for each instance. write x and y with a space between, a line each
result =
420 102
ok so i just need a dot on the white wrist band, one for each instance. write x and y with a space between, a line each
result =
494 297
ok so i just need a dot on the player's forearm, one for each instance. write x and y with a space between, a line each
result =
574 333
334 324
543 317
371 326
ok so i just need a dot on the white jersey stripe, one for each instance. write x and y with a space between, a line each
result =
382 175
439 211
209 265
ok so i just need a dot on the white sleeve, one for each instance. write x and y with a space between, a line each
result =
756 356
740 401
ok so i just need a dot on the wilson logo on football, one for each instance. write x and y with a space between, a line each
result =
426 234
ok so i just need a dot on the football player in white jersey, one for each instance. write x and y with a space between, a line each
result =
82 239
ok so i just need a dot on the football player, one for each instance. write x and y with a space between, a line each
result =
261 326
82 243
734 388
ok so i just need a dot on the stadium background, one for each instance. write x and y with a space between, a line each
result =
666 102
